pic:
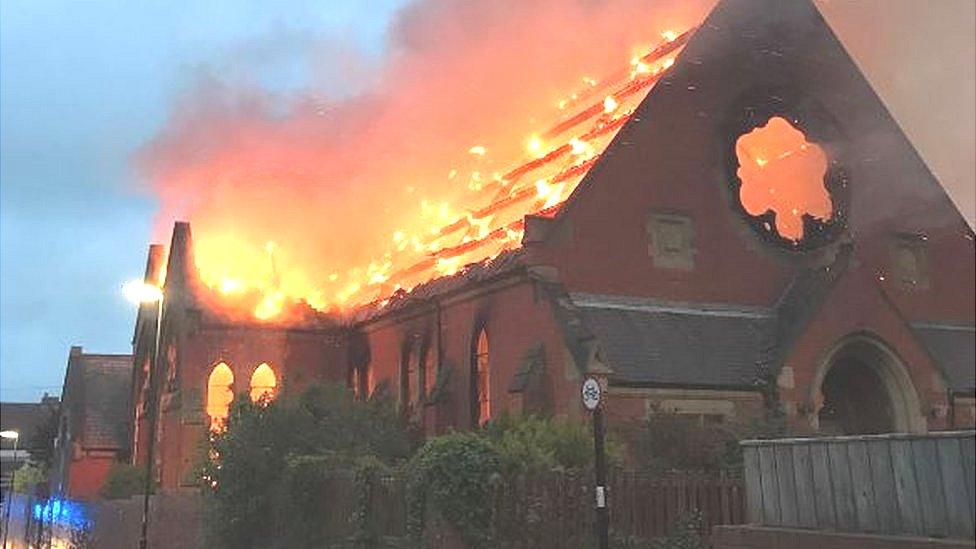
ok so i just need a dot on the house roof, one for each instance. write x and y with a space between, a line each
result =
954 351
25 418
649 342
96 399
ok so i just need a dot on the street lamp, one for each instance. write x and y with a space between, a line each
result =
143 293
15 436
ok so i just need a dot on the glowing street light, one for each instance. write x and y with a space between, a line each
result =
143 293
138 291
9 435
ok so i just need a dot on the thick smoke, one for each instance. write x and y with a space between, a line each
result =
329 181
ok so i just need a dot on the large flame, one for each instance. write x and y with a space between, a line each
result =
431 216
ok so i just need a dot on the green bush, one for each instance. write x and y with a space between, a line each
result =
272 459
28 477
124 481
450 475
531 444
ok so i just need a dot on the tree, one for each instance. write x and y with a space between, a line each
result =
269 448
40 441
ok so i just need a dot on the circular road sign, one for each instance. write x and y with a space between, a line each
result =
591 393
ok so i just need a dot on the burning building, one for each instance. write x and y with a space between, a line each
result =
732 223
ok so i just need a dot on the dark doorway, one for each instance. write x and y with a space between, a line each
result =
855 400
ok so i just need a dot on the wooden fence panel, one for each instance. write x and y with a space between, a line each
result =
823 490
806 508
930 487
863 488
959 514
890 484
883 481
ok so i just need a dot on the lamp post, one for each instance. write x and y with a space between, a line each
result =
15 436
141 292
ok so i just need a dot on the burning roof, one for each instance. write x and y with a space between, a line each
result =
486 222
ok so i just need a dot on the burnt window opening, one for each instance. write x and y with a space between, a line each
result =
407 371
358 375
783 175
908 261
358 381
671 241
425 374
480 380
416 375
220 394
264 384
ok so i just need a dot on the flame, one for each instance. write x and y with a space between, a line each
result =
784 174
439 237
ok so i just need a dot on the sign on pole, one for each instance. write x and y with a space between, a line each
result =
591 391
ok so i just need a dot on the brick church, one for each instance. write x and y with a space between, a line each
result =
674 271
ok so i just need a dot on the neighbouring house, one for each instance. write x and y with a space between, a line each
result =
758 233
25 418
94 423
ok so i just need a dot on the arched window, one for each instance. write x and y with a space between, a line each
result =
406 375
263 383
220 393
481 381
425 373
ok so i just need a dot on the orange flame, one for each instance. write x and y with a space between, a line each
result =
439 237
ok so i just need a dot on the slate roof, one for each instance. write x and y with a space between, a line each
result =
468 275
954 350
96 399
647 342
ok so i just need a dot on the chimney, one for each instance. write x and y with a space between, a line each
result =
155 265
181 270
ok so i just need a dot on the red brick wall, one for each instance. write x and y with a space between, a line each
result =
299 359
517 317
757 537
856 305
87 475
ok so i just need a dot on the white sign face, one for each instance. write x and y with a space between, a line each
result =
591 393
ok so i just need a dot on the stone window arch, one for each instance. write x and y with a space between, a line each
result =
862 386
220 394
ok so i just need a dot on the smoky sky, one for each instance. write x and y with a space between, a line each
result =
83 88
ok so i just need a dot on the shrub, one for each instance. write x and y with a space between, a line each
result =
451 475
531 444
272 456
124 481
28 477
666 442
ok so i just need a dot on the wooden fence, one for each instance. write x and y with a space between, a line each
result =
887 484
556 509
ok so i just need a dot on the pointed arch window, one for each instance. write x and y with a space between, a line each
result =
220 394
481 405
264 383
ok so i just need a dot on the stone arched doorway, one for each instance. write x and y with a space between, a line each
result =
863 388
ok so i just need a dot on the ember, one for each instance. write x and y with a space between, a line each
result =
493 190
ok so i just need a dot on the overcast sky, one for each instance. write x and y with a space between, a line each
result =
84 84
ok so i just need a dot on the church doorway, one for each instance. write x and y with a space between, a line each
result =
865 389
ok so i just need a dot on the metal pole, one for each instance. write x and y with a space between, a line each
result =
10 493
600 461
151 443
